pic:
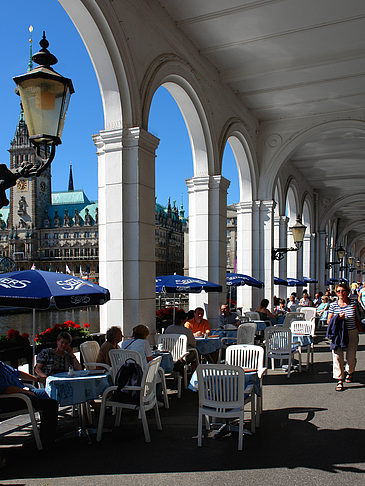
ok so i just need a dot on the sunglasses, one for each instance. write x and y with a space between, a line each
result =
341 291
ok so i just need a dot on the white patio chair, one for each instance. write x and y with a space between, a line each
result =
177 344
28 409
147 400
305 327
253 316
249 357
221 391
292 316
119 356
89 351
309 312
278 343
246 333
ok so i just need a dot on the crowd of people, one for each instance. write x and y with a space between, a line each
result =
339 309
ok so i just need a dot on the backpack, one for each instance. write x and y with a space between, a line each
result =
129 374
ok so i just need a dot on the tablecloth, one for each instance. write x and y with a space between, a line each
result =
167 363
303 339
83 386
208 345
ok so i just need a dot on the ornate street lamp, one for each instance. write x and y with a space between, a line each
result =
358 263
45 96
351 260
340 251
298 232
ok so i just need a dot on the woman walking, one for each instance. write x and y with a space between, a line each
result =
344 309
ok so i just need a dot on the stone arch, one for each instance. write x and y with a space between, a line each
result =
352 226
291 211
343 201
111 61
177 77
278 196
272 164
238 138
308 250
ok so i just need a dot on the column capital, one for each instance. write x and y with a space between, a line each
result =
203 183
247 206
267 205
137 136
108 140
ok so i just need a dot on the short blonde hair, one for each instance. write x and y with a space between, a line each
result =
140 332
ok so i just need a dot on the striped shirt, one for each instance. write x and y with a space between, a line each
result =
350 313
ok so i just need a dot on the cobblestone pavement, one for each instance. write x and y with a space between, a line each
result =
310 434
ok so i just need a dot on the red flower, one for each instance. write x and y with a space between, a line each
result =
86 325
25 335
12 334
48 331
70 324
77 326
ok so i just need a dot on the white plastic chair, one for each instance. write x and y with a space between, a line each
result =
249 357
28 409
89 351
278 343
119 356
253 316
292 316
305 327
177 344
221 391
246 333
147 400
309 312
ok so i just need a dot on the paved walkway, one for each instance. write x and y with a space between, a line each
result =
310 434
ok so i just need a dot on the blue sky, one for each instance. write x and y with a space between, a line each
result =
85 116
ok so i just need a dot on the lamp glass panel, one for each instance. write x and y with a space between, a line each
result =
298 231
340 253
351 260
44 106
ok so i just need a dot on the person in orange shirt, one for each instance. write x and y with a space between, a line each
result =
197 324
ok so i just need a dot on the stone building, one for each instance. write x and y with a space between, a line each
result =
58 231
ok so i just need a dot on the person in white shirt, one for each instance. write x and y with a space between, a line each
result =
139 343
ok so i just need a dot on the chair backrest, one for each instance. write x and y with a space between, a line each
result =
246 333
148 384
309 312
89 352
119 356
253 316
292 316
177 344
278 339
221 386
246 356
303 327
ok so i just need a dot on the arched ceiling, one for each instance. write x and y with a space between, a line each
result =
289 59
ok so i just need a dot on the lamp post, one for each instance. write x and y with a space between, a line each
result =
298 232
45 96
340 254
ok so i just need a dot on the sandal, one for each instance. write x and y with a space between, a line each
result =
349 378
339 386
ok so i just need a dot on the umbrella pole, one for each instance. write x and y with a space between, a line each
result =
173 312
33 352
230 296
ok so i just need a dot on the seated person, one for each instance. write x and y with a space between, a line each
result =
292 303
179 328
10 383
113 337
264 312
227 318
280 310
305 301
322 309
139 343
51 361
197 324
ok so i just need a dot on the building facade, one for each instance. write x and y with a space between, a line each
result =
58 231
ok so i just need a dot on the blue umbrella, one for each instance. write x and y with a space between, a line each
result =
236 279
294 282
280 281
309 280
37 289
173 284
332 281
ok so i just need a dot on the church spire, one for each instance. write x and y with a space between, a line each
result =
70 180
30 63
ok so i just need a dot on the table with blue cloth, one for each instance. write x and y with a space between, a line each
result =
302 339
208 345
260 325
167 363
81 387
223 333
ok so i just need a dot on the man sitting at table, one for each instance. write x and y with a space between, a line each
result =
179 328
227 318
197 324
10 383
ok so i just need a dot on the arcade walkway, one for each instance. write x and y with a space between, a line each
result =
310 434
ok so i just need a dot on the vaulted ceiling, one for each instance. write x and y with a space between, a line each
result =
293 59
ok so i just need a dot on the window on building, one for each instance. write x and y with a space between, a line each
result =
66 235
55 236
46 236
76 235
87 234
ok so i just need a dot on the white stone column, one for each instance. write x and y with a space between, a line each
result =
248 248
126 161
266 246
283 243
322 261
207 239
